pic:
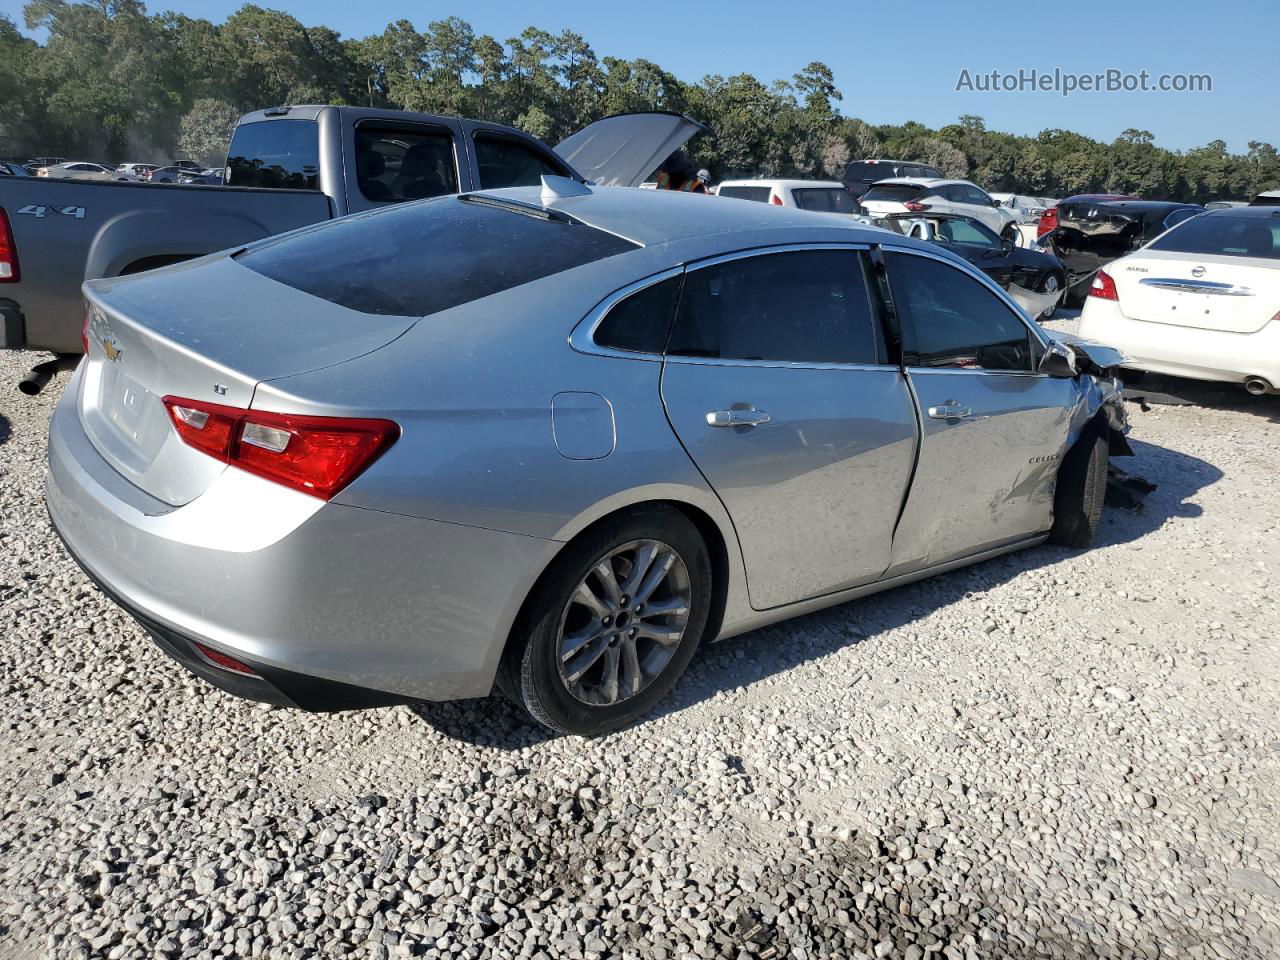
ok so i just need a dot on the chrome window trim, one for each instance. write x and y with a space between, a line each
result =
582 338
971 271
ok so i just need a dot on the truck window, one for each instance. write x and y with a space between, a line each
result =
395 162
281 154
507 162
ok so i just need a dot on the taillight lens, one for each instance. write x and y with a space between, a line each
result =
84 326
319 456
9 272
1104 288
1048 221
915 206
775 199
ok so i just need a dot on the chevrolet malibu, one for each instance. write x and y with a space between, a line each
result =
551 440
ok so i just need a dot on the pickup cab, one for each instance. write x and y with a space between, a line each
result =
287 167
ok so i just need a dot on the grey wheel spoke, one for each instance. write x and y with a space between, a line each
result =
671 607
657 573
609 682
632 675
645 555
664 636
608 580
589 656
586 596
571 644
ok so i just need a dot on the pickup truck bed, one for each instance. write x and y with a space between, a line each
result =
69 231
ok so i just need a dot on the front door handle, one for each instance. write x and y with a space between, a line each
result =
951 410
748 417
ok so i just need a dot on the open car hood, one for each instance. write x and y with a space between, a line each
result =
620 151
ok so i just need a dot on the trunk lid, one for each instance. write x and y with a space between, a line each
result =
1230 295
620 151
208 330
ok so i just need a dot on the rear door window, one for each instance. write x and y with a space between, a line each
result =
279 154
417 259
760 194
400 162
509 162
823 199
805 306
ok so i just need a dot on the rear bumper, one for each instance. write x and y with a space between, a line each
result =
1184 351
334 607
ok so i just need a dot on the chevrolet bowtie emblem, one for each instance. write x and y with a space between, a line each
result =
113 351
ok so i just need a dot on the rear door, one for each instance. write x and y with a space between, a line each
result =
993 428
776 383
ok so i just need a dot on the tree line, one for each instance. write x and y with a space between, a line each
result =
114 83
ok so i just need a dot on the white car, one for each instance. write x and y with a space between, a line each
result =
822 196
82 170
139 170
1202 300
918 194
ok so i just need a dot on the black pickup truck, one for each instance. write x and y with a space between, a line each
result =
287 167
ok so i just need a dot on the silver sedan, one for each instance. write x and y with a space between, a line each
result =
552 440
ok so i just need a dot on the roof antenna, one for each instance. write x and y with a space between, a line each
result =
557 188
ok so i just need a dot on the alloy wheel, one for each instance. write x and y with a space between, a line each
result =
624 622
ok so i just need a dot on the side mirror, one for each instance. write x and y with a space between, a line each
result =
1007 245
1059 360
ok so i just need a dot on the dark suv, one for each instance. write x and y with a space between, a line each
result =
861 174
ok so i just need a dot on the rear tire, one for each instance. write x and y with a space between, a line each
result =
630 671
1081 489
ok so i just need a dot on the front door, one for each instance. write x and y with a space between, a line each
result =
776 384
994 430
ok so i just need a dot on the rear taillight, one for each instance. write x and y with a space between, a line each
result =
915 206
1048 221
9 272
775 199
1104 288
315 455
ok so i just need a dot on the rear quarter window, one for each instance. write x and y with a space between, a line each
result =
417 259
280 154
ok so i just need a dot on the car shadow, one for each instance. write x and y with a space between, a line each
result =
6 429
1155 389
756 656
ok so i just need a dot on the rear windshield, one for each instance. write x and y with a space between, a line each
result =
283 154
897 192
1225 236
824 199
746 193
866 172
417 259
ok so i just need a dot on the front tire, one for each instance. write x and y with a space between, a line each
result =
614 623
1081 489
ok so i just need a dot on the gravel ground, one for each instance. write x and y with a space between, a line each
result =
1057 753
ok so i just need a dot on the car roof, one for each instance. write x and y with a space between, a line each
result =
653 217
923 181
790 184
1252 213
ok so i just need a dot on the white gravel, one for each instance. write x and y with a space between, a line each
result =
1057 754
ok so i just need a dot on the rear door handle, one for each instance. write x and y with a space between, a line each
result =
750 417
951 410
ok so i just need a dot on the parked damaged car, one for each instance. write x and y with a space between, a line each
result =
1090 233
553 439
1034 279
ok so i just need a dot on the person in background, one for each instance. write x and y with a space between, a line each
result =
678 173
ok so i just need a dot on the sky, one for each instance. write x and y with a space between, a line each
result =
896 62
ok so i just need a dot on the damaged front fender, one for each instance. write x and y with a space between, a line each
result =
1100 392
